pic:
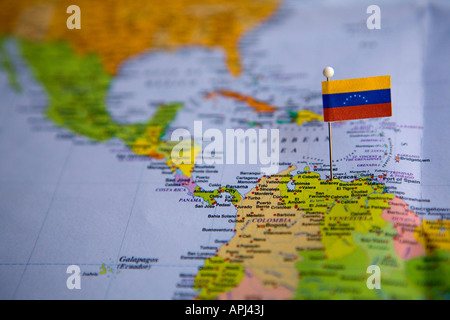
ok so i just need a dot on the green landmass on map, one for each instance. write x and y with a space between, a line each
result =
77 86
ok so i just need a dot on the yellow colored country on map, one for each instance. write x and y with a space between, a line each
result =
306 115
346 207
434 235
117 30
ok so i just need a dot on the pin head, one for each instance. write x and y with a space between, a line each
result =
328 72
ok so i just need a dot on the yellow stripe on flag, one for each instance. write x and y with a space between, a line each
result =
355 85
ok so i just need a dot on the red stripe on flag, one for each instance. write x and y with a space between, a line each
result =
357 112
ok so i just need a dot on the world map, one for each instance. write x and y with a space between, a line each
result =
88 176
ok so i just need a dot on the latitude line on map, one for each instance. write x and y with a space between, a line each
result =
45 219
144 165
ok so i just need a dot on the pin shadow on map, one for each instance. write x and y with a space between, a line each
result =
251 146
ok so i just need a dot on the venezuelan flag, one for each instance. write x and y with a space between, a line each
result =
357 98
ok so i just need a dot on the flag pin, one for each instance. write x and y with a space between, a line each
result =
352 99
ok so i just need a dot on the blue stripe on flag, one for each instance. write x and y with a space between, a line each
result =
349 99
